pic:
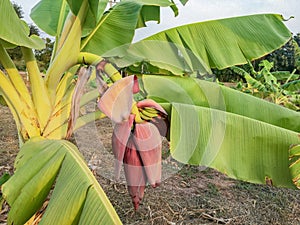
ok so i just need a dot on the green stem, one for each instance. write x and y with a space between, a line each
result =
101 64
89 58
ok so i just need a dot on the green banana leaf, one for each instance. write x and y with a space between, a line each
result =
76 198
2 100
295 164
3 179
208 94
212 44
183 2
57 10
76 4
137 13
240 147
292 86
242 136
19 35
116 28
49 15
284 75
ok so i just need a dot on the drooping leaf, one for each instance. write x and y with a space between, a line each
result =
18 36
148 13
7 45
41 163
238 146
240 135
208 94
143 58
212 44
151 10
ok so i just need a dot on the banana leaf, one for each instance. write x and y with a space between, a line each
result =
2 100
198 92
50 15
294 155
76 197
293 86
136 12
19 36
242 136
201 46
116 28
284 75
183 2
3 179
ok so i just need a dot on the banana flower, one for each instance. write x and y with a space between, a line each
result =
136 139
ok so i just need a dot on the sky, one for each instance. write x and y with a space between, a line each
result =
202 10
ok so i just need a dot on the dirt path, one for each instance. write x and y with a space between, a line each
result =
193 195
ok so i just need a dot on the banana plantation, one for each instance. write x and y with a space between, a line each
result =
163 107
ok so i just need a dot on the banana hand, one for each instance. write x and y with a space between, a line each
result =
148 114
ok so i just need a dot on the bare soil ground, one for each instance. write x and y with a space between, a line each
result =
193 195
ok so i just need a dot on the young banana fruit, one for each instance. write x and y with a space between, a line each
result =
148 113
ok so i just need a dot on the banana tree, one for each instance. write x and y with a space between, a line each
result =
209 124
267 85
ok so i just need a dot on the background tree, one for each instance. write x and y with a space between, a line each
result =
286 58
18 9
43 56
